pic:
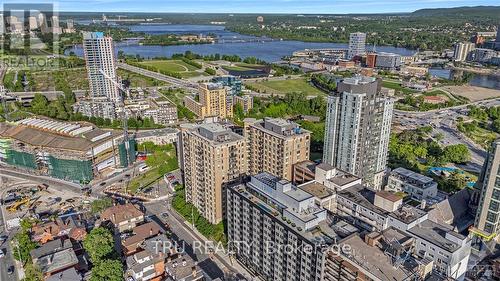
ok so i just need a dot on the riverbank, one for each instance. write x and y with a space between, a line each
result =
485 71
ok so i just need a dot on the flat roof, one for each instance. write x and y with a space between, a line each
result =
316 189
362 196
36 137
412 175
435 233
373 260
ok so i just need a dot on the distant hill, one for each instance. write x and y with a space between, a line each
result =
492 12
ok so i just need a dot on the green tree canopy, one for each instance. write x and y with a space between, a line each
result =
98 244
107 270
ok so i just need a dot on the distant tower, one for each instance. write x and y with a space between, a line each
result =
357 44
99 55
498 34
260 19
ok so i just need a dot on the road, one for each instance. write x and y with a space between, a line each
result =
216 265
444 121
155 75
57 184
8 259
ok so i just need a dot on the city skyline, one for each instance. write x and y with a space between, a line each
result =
259 6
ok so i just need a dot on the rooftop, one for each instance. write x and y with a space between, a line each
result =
418 178
436 234
362 196
216 133
120 213
316 189
277 126
57 261
49 139
374 260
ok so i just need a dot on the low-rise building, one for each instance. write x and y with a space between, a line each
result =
69 226
157 136
54 257
132 244
448 249
122 217
417 186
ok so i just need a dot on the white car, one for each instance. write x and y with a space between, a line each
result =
2 254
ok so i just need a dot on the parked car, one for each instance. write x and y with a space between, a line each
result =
10 270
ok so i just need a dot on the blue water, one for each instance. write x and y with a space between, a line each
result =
268 51
479 80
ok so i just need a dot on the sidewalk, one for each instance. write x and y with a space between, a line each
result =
225 260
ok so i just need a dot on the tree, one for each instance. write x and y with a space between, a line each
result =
458 153
107 270
32 273
39 104
99 244
99 205
24 246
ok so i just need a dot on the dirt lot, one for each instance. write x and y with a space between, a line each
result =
473 93
48 200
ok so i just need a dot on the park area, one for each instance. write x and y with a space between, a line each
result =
179 67
161 159
283 86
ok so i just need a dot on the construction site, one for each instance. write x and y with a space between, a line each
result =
76 152
20 198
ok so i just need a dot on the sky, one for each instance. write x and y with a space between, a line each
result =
256 6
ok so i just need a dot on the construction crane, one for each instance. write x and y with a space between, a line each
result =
126 92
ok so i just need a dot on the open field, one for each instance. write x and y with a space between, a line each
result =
300 85
242 67
177 66
473 93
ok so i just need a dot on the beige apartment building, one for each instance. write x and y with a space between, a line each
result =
211 156
213 102
275 145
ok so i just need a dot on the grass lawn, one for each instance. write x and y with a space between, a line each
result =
144 180
300 85
242 67
170 65
397 86
137 80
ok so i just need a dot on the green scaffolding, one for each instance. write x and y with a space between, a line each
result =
122 151
71 170
21 159
131 155
127 157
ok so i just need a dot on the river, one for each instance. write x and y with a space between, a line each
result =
480 80
267 51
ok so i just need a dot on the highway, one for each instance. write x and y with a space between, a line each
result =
155 75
